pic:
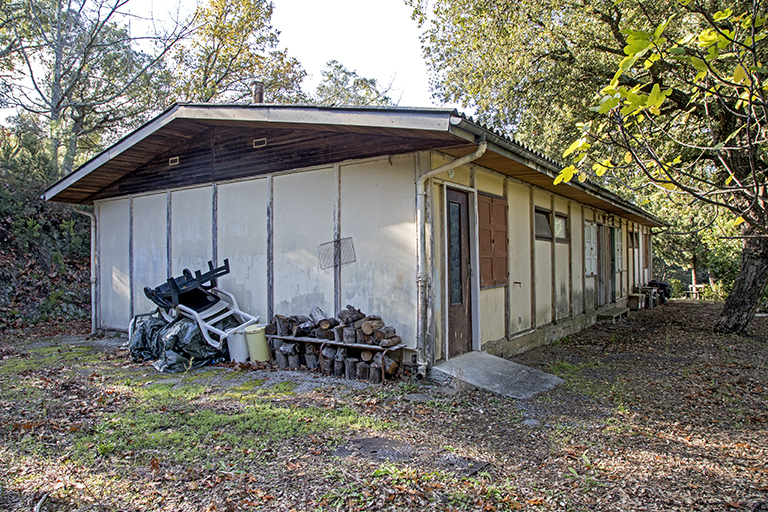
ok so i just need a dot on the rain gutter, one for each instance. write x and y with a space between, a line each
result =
422 276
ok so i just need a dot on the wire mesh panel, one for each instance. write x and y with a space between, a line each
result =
328 252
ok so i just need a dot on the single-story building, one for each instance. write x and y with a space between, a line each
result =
453 233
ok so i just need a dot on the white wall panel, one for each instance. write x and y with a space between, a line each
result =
543 282
378 212
114 276
562 284
303 219
519 225
191 225
150 256
242 238
492 313
577 258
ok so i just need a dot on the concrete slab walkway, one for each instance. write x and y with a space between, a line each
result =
497 375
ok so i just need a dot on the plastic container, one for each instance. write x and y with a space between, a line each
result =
256 338
238 349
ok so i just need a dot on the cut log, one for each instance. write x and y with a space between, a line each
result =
328 323
341 354
310 348
294 361
281 359
338 368
326 365
338 334
391 342
350 315
350 368
371 326
330 335
316 315
366 355
329 352
283 326
307 326
312 361
384 333
358 324
318 333
389 365
359 336
349 335
271 329
374 374
362 371
369 340
289 349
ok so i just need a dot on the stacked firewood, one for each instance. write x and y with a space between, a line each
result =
352 327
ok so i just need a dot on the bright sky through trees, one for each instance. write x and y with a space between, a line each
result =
376 38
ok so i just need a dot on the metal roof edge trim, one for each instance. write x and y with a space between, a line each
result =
550 165
412 119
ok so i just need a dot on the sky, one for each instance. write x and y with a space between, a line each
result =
376 38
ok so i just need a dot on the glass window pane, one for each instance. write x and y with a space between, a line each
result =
542 225
561 228
454 251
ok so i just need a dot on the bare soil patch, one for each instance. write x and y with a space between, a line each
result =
657 414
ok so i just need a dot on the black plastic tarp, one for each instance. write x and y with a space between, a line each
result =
177 346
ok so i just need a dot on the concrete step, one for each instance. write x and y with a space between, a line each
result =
497 375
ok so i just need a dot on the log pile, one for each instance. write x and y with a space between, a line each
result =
351 327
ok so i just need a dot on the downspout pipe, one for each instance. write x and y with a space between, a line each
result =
422 275
91 216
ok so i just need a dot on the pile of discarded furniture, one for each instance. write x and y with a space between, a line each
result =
192 321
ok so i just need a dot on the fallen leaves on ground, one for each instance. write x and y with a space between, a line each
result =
657 414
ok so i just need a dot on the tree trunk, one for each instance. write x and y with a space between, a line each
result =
748 288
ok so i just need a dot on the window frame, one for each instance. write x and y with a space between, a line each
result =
547 214
567 238
590 242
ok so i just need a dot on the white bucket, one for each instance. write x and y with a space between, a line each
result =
256 338
238 349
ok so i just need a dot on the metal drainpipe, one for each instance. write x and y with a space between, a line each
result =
91 216
422 276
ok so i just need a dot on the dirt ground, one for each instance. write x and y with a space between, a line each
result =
657 414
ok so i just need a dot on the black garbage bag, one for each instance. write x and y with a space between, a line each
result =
144 344
183 347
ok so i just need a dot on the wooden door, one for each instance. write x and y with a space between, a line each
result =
458 278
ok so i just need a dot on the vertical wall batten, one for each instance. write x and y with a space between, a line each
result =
168 235
270 248
130 255
215 224
337 236
553 258
569 235
532 235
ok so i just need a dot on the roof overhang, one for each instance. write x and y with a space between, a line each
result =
443 130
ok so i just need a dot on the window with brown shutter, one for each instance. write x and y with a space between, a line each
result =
492 221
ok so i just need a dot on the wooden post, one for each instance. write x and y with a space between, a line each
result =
362 371
351 368
374 374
